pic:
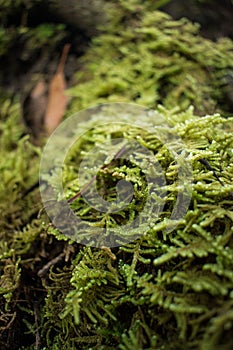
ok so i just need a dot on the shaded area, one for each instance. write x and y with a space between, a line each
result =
214 17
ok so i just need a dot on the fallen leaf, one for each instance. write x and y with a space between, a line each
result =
57 100
34 107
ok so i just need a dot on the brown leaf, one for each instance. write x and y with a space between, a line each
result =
34 107
57 100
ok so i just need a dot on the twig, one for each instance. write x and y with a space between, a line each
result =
37 327
209 167
46 267
87 186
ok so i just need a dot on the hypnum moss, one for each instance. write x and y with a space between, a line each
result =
176 288
178 282
164 290
154 60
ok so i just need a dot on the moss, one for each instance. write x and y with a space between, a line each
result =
164 290
146 57
173 287
19 227
18 31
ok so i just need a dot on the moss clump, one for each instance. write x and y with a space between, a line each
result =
18 211
163 290
172 286
146 57
175 288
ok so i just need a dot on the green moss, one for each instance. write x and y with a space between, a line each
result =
174 286
146 57
21 37
19 227
165 290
